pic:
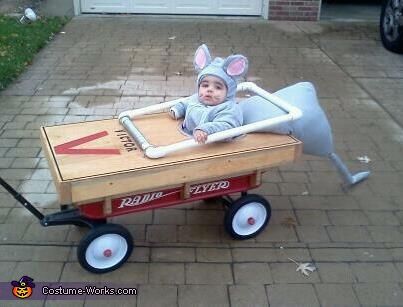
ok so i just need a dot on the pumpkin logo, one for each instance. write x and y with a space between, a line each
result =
23 288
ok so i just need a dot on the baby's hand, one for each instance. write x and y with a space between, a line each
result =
200 136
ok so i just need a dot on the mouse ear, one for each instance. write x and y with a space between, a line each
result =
236 65
202 58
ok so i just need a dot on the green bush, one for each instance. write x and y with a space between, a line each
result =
20 42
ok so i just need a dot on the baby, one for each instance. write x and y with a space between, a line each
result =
213 108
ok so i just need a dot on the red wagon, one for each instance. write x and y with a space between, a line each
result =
100 171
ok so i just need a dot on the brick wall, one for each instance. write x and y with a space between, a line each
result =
294 10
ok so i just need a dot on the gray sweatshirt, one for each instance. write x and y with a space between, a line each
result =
210 119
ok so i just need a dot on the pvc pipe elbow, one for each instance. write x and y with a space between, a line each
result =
154 152
123 115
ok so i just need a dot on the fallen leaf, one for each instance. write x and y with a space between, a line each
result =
178 73
172 37
305 267
364 159
305 193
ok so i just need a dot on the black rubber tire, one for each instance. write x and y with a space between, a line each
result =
389 24
97 232
236 206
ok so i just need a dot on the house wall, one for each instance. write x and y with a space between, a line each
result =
305 10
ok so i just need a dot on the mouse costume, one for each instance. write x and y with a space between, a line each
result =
313 128
213 118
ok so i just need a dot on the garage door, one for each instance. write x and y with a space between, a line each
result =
210 7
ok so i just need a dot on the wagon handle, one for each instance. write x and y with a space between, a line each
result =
22 200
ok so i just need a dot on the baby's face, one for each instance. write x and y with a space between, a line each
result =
212 90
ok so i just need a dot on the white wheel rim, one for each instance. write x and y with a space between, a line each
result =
249 218
106 251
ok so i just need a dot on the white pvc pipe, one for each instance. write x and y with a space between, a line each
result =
150 109
154 152
281 103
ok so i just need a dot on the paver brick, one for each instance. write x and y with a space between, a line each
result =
133 273
208 273
283 217
347 217
294 177
8 142
379 294
169 216
23 152
312 234
386 233
312 217
42 271
348 234
144 217
140 254
6 270
336 295
335 272
213 255
308 203
15 303
277 233
203 296
196 233
254 254
97 302
167 273
385 218
333 254
292 188
161 233
4 212
161 295
12 232
279 202
33 186
376 272
247 295
205 217
168 254
22 163
292 295
37 232
373 254
397 253
50 253
252 273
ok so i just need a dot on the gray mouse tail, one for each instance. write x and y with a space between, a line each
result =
348 178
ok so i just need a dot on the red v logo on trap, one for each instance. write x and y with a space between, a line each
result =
68 148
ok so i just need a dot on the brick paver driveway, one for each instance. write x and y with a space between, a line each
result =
100 66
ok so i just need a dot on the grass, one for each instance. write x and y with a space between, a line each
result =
20 42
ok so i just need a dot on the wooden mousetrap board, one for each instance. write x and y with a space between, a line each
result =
98 159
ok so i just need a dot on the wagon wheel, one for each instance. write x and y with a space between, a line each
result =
105 248
247 216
